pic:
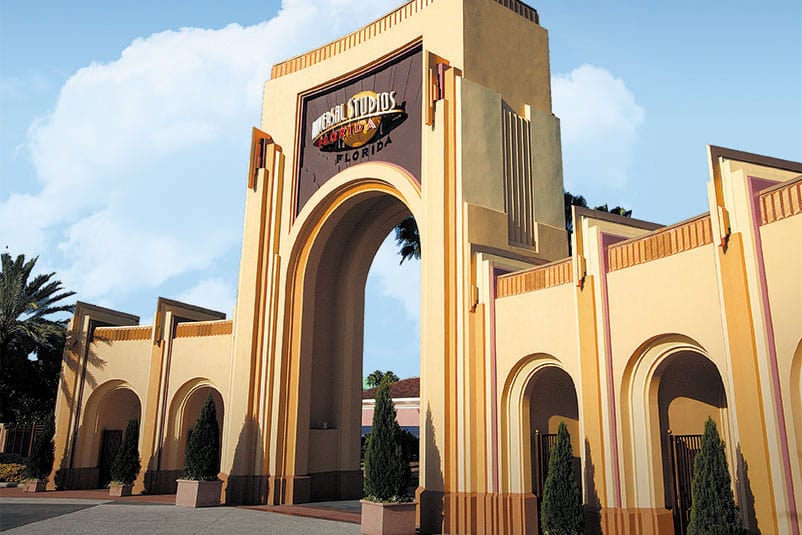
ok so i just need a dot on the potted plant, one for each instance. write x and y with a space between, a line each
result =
200 486
126 463
387 509
39 464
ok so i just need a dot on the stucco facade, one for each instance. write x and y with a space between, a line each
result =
642 330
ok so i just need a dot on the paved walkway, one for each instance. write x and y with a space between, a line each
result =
95 512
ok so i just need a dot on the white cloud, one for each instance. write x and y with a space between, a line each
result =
400 282
214 293
142 161
599 120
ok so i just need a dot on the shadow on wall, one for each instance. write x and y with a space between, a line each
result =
159 481
592 502
243 487
746 500
430 502
65 476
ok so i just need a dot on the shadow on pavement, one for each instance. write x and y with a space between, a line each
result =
15 515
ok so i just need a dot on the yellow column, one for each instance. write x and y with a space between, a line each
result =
747 396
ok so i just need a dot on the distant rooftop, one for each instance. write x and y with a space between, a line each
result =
405 388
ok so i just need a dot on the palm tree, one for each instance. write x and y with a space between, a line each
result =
377 376
407 238
25 306
28 384
569 200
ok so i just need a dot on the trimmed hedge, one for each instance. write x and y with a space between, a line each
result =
125 467
203 451
386 465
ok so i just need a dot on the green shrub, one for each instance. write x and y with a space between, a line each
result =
561 512
126 464
40 462
713 508
12 472
203 450
386 466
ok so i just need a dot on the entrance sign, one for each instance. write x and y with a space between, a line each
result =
374 116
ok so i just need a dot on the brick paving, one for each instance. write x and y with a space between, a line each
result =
94 511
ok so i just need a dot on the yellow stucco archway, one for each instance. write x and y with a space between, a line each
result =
335 238
670 382
110 406
183 414
518 419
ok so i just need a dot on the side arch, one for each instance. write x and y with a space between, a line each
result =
183 412
517 418
109 407
653 387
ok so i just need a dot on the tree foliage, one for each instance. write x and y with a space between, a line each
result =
407 238
713 509
39 464
27 329
126 464
386 465
377 376
570 200
561 511
203 451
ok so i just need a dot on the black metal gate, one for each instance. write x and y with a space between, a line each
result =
542 444
19 438
109 446
682 450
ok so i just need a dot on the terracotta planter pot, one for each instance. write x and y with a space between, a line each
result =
388 518
120 490
198 493
33 486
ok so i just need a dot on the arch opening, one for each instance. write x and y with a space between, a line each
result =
190 412
552 399
331 292
109 411
688 389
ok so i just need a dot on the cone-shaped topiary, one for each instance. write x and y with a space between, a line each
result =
561 512
713 508
385 463
203 450
126 464
39 464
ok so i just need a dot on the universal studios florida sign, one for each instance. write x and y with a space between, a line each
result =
364 117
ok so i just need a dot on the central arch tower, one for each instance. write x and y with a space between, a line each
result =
440 110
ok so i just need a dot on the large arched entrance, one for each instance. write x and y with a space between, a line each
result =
329 295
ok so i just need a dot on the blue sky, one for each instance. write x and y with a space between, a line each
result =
109 112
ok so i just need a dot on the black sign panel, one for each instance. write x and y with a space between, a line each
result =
374 117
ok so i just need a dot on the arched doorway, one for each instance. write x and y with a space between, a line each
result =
109 410
552 399
329 296
689 390
187 410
